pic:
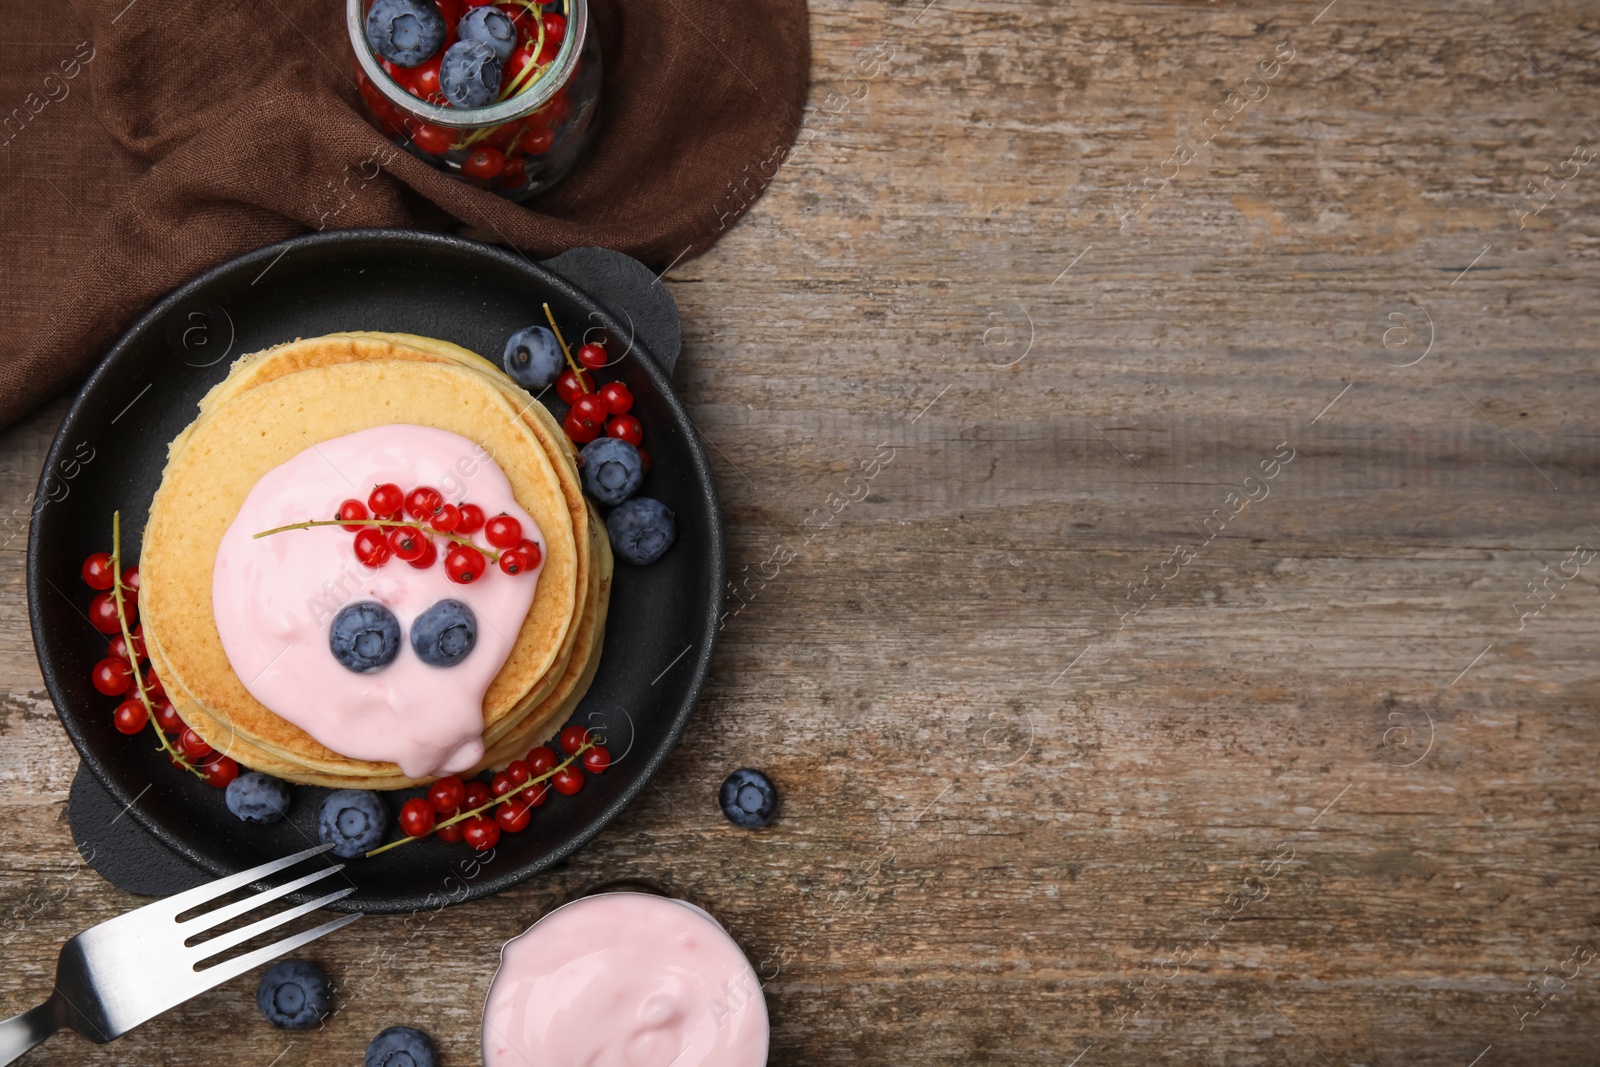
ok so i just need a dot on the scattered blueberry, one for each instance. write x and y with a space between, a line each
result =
293 995
405 32
641 529
401 1046
491 26
258 798
444 634
612 470
365 636
469 74
352 821
748 798
531 356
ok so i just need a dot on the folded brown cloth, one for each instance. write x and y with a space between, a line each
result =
142 142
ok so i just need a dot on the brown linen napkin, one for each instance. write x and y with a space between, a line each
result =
143 142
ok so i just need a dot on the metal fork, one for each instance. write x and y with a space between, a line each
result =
114 976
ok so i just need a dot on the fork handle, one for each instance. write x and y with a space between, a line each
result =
22 1032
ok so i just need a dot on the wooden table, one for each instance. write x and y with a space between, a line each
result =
1207 672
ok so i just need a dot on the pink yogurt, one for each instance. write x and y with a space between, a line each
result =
274 598
625 980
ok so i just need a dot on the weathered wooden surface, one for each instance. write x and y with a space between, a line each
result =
1021 809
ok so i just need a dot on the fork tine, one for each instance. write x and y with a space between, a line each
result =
214 976
222 942
192 898
239 907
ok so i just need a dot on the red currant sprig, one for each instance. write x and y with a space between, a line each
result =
381 533
512 794
125 718
593 412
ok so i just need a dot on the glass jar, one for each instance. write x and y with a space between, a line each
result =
524 141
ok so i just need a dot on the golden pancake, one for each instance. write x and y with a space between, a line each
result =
259 422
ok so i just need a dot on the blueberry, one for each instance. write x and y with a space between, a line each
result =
491 26
352 821
401 1046
748 798
531 356
293 995
612 470
405 32
444 634
641 530
365 636
258 798
470 74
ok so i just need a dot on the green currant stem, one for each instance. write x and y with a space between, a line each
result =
565 351
462 816
460 539
133 657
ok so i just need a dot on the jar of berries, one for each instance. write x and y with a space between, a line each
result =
500 95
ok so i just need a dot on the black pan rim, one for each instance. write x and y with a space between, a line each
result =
396 239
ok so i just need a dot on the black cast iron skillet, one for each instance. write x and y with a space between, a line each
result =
109 455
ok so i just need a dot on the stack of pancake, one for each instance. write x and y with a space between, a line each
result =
275 404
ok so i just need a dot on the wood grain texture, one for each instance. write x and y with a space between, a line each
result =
1019 814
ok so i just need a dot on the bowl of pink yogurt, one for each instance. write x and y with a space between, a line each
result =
625 979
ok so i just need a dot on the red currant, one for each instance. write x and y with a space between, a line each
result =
572 738
447 794
463 565
567 781
590 408
626 428
416 817
500 784
219 771
485 162
168 719
513 815
152 685
423 503
555 27
434 140
569 386
502 531
193 745
479 833
531 552
617 398
581 431
130 717
430 555
97 570
386 501
477 795
512 561
535 795
449 834
592 356
371 547
130 581
547 54
424 80
556 111
353 510
112 676
446 519
118 648
516 63
538 140
103 614
597 759
407 543
540 760
515 173
517 771
471 519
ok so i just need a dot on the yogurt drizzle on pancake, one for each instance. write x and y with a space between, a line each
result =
274 598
